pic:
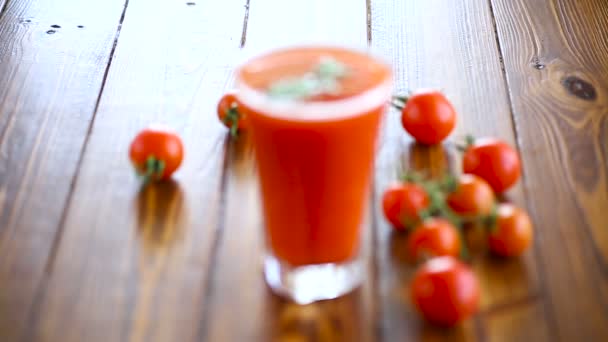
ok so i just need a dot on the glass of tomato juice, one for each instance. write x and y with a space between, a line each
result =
315 115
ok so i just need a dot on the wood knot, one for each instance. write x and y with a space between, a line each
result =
538 66
579 88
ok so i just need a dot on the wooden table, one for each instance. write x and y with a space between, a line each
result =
86 256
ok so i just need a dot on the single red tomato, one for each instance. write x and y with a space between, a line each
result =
434 237
230 114
428 116
402 204
493 160
445 291
512 234
156 152
472 197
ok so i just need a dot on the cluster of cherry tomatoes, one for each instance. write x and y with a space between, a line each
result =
435 213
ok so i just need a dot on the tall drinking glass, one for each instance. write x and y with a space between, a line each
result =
315 114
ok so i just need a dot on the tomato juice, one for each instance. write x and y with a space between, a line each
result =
315 150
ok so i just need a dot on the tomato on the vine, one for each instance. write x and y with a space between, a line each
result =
427 115
156 152
434 237
512 234
473 197
445 291
230 114
493 160
403 204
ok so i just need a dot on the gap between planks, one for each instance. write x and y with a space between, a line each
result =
245 20
217 238
3 7
218 234
59 234
548 307
368 8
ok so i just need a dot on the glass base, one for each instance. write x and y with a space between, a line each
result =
310 283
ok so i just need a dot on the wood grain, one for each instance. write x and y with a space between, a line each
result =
450 46
88 255
238 292
512 323
131 263
49 85
556 62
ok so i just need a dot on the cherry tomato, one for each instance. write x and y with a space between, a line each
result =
434 237
473 197
428 116
229 113
156 152
402 204
445 291
512 234
493 160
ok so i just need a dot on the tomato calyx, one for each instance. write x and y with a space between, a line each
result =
490 221
231 119
399 101
152 169
469 140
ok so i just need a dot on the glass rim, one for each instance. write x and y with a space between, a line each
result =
326 110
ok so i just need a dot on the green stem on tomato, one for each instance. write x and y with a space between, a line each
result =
490 221
438 201
232 120
399 101
153 169
464 249
469 140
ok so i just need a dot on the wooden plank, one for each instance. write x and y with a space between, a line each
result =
515 323
556 61
275 23
49 85
131 265
237 290
450 46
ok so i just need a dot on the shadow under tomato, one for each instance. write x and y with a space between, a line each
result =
430 160
339 319
240 154
463 331
160 214
504 273
398 248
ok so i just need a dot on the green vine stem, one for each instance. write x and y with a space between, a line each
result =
437 191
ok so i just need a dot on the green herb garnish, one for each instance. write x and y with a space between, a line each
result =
322 80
